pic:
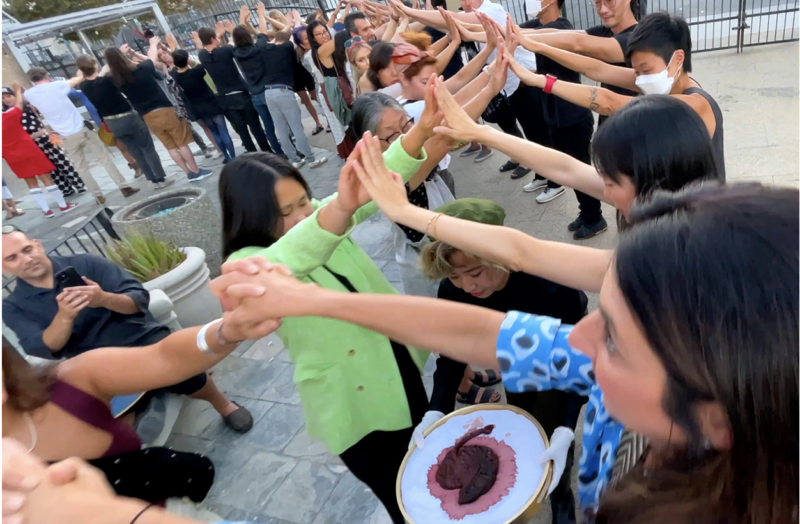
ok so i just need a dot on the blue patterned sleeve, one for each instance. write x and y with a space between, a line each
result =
535 355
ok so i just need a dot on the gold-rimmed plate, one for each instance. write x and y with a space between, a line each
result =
538 489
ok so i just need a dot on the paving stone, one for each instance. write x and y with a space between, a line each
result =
283 356
265 349
351 502
245 377
276 428
302 445
220 432
303 494
247 477
283 388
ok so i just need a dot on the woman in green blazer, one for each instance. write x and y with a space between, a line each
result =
362 393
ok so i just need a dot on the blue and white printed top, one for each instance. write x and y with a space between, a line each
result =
534 355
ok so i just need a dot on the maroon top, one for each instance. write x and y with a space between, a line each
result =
96 413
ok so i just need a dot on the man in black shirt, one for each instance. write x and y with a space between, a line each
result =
269 68
468 279
231 88
571 126
110 310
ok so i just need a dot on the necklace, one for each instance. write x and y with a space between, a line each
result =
31 431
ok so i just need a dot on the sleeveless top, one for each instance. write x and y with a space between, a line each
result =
96 413
716 140
152 474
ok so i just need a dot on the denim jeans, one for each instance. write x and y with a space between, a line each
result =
219 130
261 107
286 116
132 131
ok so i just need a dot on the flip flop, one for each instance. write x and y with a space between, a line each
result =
486 378
477 395
317 130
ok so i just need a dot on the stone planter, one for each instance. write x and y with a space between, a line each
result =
185 217
187 288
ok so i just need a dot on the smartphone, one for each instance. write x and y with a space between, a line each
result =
67 277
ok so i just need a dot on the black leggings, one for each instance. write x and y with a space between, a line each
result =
375 459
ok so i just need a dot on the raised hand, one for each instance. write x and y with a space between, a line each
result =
526 76
431 116
512 40
351 194
386 188
452 26
155 40
457 124
228 25
125 49
171 42
261 8
498 72
489 28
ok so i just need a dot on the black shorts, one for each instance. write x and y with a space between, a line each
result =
303 80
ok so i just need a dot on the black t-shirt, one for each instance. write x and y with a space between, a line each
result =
523 292
220 65
105 96
195 88
456 63
558 113
145 93
266 64
622 37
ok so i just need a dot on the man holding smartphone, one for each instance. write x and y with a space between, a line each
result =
53 318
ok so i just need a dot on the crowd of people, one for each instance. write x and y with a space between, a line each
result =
687 371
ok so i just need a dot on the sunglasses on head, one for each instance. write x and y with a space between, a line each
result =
353 41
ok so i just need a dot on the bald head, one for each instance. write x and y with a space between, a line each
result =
25 258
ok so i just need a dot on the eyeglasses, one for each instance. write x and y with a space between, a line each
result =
608 3
353 41
394 136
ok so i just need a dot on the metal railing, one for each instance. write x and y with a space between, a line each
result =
714 24
90 237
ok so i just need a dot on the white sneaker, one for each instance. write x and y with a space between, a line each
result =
300 163
550 193
318 162
536 184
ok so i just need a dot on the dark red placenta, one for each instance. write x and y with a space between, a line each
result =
470 469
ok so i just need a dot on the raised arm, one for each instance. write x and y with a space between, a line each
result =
110 372
598 99
460 331
573 266
602 48
470 71
152 51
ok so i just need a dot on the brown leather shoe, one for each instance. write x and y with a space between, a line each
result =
128 191
241 421
100 199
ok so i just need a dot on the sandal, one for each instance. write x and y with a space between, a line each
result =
328 130
486 378
477 395
317 130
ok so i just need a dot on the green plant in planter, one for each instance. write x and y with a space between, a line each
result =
145 256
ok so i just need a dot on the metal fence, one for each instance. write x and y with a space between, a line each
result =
90 237
714 24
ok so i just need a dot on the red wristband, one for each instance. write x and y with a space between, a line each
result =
548 87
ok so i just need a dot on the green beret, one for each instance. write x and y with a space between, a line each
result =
474 210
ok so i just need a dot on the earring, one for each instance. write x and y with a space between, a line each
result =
706 443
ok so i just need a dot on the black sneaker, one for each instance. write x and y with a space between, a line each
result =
508 166
575 224
587 231
519 172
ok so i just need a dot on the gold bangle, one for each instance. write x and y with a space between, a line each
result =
434 217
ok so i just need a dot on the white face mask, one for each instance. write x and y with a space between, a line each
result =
534 7
657 84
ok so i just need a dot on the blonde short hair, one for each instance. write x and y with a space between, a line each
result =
436 260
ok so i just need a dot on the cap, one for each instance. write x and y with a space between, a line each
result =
475 210
8 91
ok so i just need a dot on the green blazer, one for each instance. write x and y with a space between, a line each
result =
346 375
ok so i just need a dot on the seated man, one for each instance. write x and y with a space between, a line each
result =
110 310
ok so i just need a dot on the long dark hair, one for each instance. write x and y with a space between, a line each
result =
340 53
711 275
251 215
119 66
313 43
657 141
241 36
379 59
27 386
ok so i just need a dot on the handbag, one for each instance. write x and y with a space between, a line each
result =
496 106
106 136
345 87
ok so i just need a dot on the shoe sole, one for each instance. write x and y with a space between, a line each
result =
592 235
478 160
201 177
49 216
317 163
465 154
537 188
544 201
68 209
